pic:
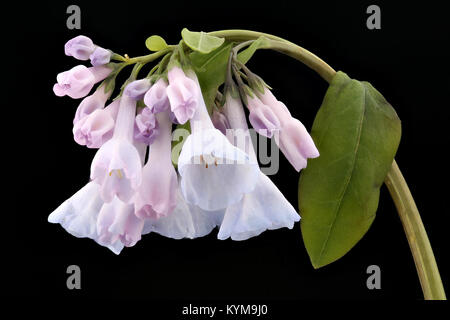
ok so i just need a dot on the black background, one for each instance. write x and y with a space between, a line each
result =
405 60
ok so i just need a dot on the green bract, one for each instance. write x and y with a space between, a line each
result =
201 41
260 43
357 133
211 70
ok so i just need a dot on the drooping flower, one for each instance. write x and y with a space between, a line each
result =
262 118
78 81
186 221
294 140
146 127
265 207
156 196
117 223
100 56
137 89
80 47
214 173
183 94
78 215
117 164
156 97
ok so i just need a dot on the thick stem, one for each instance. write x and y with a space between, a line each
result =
422 252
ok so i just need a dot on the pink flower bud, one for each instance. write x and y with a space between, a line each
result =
156 97
78 81
262 118
183 94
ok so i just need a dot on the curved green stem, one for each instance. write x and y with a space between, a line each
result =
283 46
422 252
149 57
419 244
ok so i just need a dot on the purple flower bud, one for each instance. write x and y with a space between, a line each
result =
145 127
80 47
220 121
100 56
137 89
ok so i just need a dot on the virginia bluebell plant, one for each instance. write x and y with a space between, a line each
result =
139 183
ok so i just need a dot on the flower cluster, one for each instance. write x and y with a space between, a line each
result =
134 187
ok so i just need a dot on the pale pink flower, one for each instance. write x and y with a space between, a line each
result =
183 94
156 196
117 164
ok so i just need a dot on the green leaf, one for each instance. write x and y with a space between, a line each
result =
155 43
211 70
260 43
201 41
357 133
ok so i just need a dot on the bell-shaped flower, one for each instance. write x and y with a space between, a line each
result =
80 47
156 196
117 164
137 89
262 118
185 221
214 173
117 223
78 81
183 93
265 207
78 215
100 56
145 127
294 140
156 97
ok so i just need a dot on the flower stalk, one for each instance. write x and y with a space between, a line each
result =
416 235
